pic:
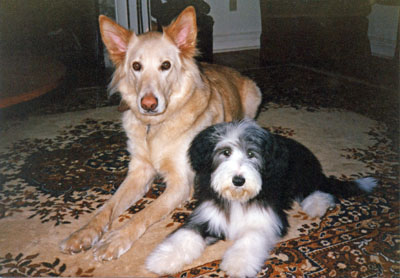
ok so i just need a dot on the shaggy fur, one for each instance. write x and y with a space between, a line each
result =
246 178
170 98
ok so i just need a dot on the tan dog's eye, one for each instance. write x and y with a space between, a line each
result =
165 65
136 66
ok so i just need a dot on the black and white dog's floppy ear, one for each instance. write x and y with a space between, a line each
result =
276 155
201 150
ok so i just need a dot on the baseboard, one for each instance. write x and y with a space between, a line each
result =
236 41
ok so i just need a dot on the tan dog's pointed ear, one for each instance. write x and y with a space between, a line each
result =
183 31
115 37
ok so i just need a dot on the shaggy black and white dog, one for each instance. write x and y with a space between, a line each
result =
245 179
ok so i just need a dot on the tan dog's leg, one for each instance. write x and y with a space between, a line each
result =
135 185
117 242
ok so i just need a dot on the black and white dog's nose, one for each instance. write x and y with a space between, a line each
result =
238 180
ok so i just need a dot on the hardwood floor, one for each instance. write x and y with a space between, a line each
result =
375 70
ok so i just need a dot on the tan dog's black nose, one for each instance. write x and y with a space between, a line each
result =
149 102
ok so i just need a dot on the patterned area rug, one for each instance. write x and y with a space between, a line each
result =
56 170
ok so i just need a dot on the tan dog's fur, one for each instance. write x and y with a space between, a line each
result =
188 100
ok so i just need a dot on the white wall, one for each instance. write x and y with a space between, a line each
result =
235 30
382 30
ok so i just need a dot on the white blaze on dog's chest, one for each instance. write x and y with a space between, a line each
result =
253 218
239 220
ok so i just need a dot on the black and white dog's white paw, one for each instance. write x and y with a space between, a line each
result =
236 265
317 203
179 249
247 255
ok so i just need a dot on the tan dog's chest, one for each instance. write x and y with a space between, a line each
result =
157 144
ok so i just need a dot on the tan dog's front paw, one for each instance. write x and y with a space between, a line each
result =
112 246
80 240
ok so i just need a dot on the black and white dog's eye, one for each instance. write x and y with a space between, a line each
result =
136 66
251 154
166 65
226 152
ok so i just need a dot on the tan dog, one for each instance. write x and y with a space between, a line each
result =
170 100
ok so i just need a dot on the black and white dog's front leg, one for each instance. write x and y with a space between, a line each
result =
247 255
177 250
